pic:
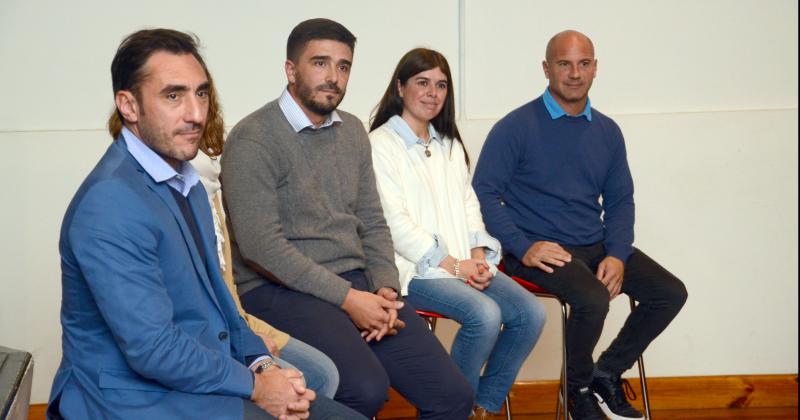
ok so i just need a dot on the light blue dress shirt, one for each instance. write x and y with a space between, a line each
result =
556 111
158 168
298 119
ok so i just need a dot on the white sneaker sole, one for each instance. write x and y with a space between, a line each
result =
610 414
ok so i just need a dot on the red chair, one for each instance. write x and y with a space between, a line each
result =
430 319
562 396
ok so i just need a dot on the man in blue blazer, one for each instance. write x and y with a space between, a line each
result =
149 328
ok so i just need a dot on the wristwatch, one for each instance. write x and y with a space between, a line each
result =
265 364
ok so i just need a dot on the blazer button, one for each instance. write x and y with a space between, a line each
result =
223 336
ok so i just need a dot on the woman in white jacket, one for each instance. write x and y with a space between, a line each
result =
447 261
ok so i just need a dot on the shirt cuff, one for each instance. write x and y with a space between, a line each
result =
435 255
492 247
258 360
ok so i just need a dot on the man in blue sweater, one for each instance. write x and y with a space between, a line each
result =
555 188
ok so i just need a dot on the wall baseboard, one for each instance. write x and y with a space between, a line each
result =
666 393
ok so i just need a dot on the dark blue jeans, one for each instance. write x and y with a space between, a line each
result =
412 362
660 295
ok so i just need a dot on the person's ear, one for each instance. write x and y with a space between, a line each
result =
128 106
289 68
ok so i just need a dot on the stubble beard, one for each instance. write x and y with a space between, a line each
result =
161 142
306 95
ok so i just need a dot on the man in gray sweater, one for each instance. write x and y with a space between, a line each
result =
313 255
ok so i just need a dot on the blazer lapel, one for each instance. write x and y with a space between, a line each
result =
200 266
161 190
201 208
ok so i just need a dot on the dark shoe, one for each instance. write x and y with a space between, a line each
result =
611 397
583 405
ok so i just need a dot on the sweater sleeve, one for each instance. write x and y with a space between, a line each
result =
618 205
375 236
250 178
498 161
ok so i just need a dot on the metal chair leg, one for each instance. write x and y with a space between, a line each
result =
560 397
642 376
561 401
508 408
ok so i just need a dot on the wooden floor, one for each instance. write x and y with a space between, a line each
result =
712 414
762 397
786 413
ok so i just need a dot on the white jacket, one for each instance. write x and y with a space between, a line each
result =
425 199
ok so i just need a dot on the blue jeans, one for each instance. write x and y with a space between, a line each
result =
318 369
481 339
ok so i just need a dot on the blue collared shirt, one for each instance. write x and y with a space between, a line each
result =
298 119
556 111
158 168
400 126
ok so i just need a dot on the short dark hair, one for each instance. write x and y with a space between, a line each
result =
412 63
134 51
319 28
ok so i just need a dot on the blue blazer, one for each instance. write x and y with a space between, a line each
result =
150 330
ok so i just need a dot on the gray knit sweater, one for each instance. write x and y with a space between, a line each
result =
304 206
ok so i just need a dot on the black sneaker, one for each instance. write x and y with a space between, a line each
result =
583 405
611 397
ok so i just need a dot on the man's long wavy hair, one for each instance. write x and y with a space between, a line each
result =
127 74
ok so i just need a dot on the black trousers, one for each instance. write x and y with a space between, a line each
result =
660 295
412 362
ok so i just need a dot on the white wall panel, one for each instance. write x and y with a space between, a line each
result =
653 56
56 56
705 93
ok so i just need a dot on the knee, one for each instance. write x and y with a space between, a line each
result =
676 295
485 318
528 315
365 392
594 301
329 380
533 312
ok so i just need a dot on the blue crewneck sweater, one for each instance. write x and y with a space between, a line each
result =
540 178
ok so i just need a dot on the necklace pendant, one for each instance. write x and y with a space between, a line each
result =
427 152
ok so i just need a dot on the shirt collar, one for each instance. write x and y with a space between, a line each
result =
158 168
298 119
400 126
556 111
